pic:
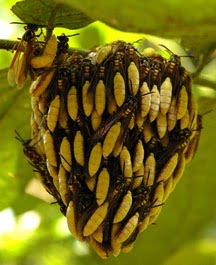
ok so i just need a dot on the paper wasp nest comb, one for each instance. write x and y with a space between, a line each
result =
111 135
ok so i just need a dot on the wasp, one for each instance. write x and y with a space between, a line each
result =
30 152
132 52
83 205
178 142
192 147
63 77
180 138
155 73
63 42
173 63
128 107
174 69
19 67
118 195
141 196
145 67
39 165
117 62
87 69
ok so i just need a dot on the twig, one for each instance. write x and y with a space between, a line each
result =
8 44
50 25
11 44
205 59
205 82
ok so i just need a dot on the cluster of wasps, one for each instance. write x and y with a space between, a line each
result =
112 131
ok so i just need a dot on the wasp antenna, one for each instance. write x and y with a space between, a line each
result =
36 170
148 178
34 166
130 87
166 48
19 137
137 41
206 112
158 205
134 177
54 202
143 95
186 56
65 160
192 122
76 34
21 23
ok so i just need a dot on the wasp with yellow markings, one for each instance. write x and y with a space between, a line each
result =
84 203
87 69
178 143
128 107
63 76
131 52
193 145
145 67
20 65
30 151
173 63
155 73
175 71
117 62
39 164
63 42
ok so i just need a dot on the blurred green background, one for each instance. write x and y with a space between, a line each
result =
33 231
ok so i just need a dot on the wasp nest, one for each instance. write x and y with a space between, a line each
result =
112 132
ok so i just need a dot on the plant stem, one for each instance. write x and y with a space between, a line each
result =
8 44
204 82
12 45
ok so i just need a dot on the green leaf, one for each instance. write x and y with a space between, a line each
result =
189 20
199 252
39 12
14 114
